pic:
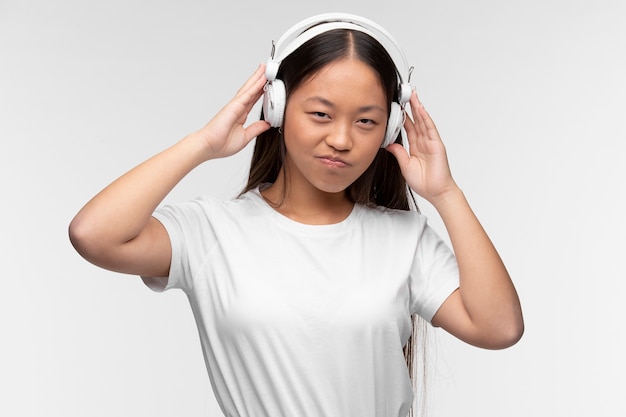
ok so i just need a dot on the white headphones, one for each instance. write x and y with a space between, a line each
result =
275 96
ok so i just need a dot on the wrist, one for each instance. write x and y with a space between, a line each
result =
452 196
197 147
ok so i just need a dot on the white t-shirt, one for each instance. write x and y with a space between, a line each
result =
303 320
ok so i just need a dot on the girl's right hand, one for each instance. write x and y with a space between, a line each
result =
116 230
225 134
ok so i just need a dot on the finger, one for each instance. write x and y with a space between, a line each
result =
254 81
411 132
425 123
251 96
417 116
429 125
256 128
399 152
251 91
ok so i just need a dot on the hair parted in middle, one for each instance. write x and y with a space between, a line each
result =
382 183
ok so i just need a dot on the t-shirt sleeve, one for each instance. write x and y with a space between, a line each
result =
188 227
434 274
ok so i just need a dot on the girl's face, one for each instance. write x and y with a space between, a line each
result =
334 126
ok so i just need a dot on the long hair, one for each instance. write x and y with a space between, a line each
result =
382 184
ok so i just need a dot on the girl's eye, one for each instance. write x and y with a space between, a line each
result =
320 114
367 121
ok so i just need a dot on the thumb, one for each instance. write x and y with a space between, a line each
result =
256 128
399 152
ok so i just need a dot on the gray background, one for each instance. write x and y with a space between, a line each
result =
528 96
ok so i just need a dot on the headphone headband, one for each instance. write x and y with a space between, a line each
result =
309 28
275 96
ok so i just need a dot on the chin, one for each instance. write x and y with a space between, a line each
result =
332 188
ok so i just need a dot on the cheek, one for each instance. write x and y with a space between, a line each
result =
294 142
370 161
372 151
295 133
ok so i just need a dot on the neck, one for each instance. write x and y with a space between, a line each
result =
306 204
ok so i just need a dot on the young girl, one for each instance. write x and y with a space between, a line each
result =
304 287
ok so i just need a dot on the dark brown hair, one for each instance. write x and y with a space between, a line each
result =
382 184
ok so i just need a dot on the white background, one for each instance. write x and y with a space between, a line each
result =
529 98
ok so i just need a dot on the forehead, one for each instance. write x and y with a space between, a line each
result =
345 76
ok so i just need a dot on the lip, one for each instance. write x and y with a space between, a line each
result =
332 161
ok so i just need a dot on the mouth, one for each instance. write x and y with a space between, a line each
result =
332 161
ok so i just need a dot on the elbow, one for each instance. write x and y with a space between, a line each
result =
78 235
84 238
511 339
507 335
515 328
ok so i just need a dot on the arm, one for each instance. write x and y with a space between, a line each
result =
116 230
485 311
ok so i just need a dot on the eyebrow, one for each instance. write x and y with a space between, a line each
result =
331 104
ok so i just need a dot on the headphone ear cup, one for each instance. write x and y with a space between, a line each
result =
274 101
394 124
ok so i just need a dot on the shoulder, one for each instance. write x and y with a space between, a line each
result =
392 224
209 206
391 217
206 219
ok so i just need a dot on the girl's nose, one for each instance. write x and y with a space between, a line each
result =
340 138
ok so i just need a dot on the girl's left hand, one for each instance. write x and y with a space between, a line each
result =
425 168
